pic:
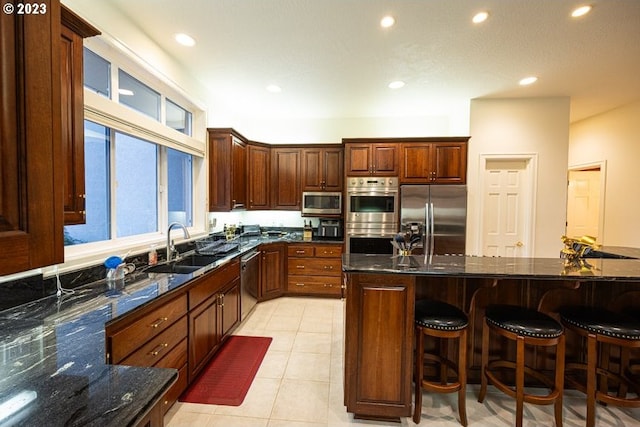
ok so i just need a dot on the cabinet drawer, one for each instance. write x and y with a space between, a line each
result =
300 251
172 395
131 337
157 348
176 358
326 285
329 251
315 266
211 283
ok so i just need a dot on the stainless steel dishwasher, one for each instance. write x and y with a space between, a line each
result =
249 281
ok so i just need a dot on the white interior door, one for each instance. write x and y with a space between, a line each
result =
583 203
506 208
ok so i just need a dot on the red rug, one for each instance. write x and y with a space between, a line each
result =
227 378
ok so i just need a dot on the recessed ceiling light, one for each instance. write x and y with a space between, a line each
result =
528 80
396 85
581 11
387 21
185 40
480 17
126 92
274 88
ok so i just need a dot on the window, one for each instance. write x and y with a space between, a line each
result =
97 73
178 118
135 190
138 96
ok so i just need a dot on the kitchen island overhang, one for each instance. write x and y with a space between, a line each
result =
381 291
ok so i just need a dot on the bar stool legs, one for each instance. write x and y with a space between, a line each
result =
440 320
525 327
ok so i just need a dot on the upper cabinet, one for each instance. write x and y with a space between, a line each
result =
227 170
285 178
31 207
370 157
434 161
322 168
73 31
258 176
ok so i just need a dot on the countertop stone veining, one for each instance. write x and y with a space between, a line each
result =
492 267
52 350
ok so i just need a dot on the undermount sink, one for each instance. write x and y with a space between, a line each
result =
185 265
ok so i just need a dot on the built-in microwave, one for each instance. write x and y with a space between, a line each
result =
321 203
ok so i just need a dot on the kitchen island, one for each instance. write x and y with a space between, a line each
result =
381 291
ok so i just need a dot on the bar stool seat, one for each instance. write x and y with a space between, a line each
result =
526 327
602 328
445 321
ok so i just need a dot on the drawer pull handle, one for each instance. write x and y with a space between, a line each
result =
328 267
328 285
156 351
300 252
159 322
300 267
299 284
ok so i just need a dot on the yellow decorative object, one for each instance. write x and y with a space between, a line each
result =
574 251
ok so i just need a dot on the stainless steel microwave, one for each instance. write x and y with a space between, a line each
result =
321 203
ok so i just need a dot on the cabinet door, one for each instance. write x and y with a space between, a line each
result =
239 171
385 159
259 177
358 159
416 164
203 335
227 170
74 29
333 169
31 197
450 163
230 307
312 173
285 182
272 270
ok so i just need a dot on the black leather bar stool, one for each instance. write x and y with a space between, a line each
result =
526 327
602 328
444 321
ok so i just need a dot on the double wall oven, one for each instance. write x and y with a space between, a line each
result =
371 218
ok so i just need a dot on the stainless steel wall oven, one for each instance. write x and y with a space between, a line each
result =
372 207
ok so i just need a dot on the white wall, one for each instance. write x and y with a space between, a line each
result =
523 126
613 137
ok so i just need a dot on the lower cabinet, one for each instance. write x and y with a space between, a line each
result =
212 320
314 269
156 336
273 259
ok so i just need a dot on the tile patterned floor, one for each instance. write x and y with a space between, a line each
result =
299 383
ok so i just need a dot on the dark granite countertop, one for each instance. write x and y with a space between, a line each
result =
489 267
53 350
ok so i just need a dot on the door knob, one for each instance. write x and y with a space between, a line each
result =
519 244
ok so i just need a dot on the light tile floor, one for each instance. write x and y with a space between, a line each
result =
299 383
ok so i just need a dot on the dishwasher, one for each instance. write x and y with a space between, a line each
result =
249 282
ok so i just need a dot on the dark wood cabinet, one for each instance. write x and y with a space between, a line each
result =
434 162
214 311
227 170
74 30
379 333
258 176
273 258
322 168
285 178
31 197
367 157
314 269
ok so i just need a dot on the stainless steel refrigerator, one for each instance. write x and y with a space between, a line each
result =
438 213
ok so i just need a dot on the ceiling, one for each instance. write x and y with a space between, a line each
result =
332 59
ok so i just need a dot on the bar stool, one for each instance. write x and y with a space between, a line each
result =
602 328
444 321
526 327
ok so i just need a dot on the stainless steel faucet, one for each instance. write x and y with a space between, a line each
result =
171 249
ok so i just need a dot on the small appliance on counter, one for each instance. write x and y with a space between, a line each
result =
330 228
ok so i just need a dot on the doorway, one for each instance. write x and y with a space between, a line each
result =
508 200
585 201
